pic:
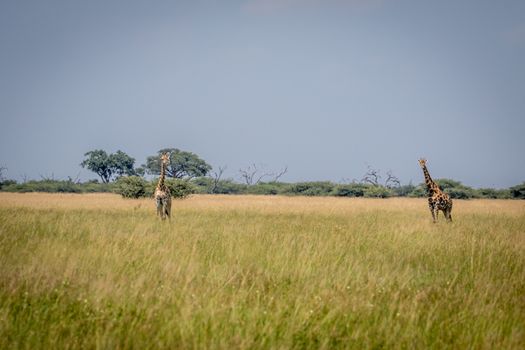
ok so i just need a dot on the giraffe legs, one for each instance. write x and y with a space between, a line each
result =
163 207
433 209
159 208
448 214
167 208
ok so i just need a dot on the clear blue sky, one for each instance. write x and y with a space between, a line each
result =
324 87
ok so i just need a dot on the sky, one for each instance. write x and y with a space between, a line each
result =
325 88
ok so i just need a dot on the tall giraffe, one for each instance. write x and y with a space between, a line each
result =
162 192
437 200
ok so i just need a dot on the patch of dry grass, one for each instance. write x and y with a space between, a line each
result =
259 272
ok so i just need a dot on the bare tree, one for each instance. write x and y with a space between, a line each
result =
252 175
248 174
277 176
3 171
76 180
371 176
216 176
391 180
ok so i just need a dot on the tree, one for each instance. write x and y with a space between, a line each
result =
182 164
371 176
252 175
216 176
108 165
391 181
131 186
122 164
3 171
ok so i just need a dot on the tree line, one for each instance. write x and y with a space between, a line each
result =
187 173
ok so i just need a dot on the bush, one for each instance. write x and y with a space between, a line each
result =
320 188
180 188
493 193
462 193
377 192
403 191
350 190
445 184
44 186
456 189
6 183
131 186
202 184
267 188
518 191
228 186
97 187
419 191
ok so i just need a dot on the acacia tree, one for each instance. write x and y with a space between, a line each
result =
182 164
108 166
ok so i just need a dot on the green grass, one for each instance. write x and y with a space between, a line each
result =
378 276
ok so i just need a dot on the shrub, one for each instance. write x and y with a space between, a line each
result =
320 188
180 188
227 186
403 191
419 191
202 184
493 193
95 187
462 193
44 186
518 191
131 186
267 188
6 183
350 190
377 192
456 189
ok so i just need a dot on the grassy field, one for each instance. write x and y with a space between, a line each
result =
98 271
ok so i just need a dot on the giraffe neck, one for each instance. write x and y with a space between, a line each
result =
431 185
162 175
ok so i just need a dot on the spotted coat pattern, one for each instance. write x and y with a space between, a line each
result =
437 200
162 192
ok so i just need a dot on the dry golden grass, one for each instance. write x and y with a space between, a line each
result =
98 271
263 204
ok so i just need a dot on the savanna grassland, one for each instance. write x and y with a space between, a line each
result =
236 272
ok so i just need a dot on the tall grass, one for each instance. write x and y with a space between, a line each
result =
98 271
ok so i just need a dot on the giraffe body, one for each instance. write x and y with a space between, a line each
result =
162 192
437 199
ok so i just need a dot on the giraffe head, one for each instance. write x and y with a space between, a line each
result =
165 158
422 162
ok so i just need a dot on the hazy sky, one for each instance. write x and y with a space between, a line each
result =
324 87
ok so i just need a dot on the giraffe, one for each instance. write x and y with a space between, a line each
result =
162 192
437 200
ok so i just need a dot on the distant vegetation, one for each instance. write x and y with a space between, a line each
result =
188 174
137 187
